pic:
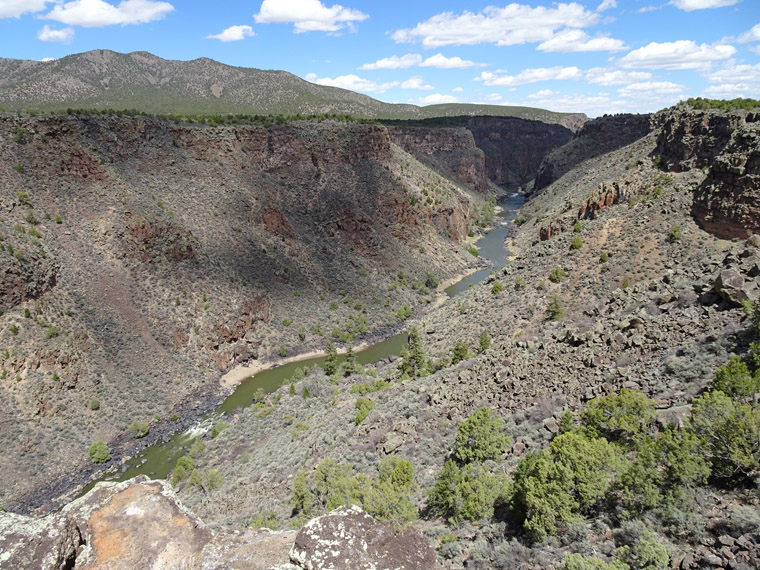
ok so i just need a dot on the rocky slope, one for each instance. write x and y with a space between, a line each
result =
599 136
103 79
140 524
648 301
141 259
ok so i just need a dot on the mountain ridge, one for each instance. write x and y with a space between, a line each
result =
152 84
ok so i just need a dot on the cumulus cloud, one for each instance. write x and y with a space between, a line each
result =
513 24
46 34
736 74
604 76
457 90
97 13
727 91
15 8
683 54
233 34
414 59
442 62
308 15
395 62
650 88
416 83
352 83
689 5
571 40
531 76
435 99
751 36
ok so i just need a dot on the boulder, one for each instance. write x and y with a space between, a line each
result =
350 539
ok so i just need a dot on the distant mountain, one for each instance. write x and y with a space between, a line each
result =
102 79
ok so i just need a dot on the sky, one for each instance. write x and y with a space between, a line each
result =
590 56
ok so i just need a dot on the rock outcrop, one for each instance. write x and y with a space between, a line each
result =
514 148
596 137
350 539
140 524
452 151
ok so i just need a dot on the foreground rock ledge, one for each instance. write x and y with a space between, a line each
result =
140 524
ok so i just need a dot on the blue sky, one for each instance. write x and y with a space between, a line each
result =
592 56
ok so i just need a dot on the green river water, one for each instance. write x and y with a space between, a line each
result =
158 460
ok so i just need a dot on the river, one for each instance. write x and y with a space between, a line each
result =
158 460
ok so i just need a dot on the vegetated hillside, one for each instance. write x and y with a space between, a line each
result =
142 258
616 303
102 79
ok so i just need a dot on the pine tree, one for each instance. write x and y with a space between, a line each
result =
330 365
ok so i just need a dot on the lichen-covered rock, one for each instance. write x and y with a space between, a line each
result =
350 539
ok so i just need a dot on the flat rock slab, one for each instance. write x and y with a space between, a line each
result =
350 539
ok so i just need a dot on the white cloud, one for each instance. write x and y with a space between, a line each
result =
46 34
493 97
233 34
646 9
543 94
736 74
308 15
457 90
683 54
755 49
14 8
435 99
352 83
531 76
97 13
442 62
604 76
570 40
689 5
727 91
649 88
513 24
416 83
47 59
606 5
751 36
395 62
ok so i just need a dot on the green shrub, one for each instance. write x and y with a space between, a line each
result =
286 322
403 313
265 519
577 227
459 353
555 309
555 485
578 562
676 233
138 429
94 404
363 408
484 342
413 358
647 554
729 433
497 287
480 437
576 243
218 428
556 275
98 452
471 492
735 380
604 257
52 332
619 417
182 469
283 352
472 250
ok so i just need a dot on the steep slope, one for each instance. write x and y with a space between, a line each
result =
646 300
103 79
141 259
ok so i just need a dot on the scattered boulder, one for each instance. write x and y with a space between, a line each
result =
350 539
